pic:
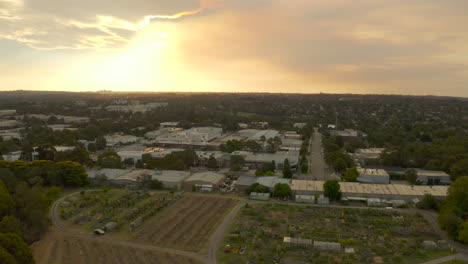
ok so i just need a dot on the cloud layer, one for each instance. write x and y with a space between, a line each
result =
382 46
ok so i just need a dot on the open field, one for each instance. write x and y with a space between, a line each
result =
186 224
60 248
376 236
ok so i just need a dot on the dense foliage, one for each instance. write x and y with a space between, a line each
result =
454 210
331 189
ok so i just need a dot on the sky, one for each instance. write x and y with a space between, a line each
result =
408 47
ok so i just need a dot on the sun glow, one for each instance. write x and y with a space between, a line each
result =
131 68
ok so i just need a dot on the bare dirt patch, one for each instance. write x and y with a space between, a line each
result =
187 224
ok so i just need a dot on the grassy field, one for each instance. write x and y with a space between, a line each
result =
376 236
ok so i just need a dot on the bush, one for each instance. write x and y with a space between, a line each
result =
428 202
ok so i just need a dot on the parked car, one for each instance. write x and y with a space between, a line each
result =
99 232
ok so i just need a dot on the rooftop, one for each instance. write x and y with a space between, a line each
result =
364 188
211 177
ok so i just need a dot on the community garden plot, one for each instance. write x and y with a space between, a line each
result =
186 224
93 210
373 235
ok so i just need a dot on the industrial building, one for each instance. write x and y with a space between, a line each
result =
116 139
256 160
9 123
171 179
194 137
364 155
7 112
299 125
10 134
433 177
243 182
270 181
223 159
375 176
387 191
347 133
203 178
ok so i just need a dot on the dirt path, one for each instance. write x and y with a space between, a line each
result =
217 237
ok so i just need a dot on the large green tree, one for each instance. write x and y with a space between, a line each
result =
282 190
287 172
212 163
351 175
15 245
237 162
109 159
7 203
331 189
454 209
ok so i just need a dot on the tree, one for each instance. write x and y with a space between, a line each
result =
460 168
269 166
331 189
339 165
79 155
6 257
463 232
212 162
146 181
6 201
237 162
351 175
32 209
287 172
16 246
53 193
411 176
257 187
109 159
10 224
282 190
101 143
259 172
455 207
74 174
46 152
428 202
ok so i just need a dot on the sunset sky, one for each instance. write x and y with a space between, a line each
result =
286 46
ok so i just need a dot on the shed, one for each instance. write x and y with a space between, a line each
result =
327 246
375 202
296 242
429 245
110 226
305 199
259 196
323 200
202 178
